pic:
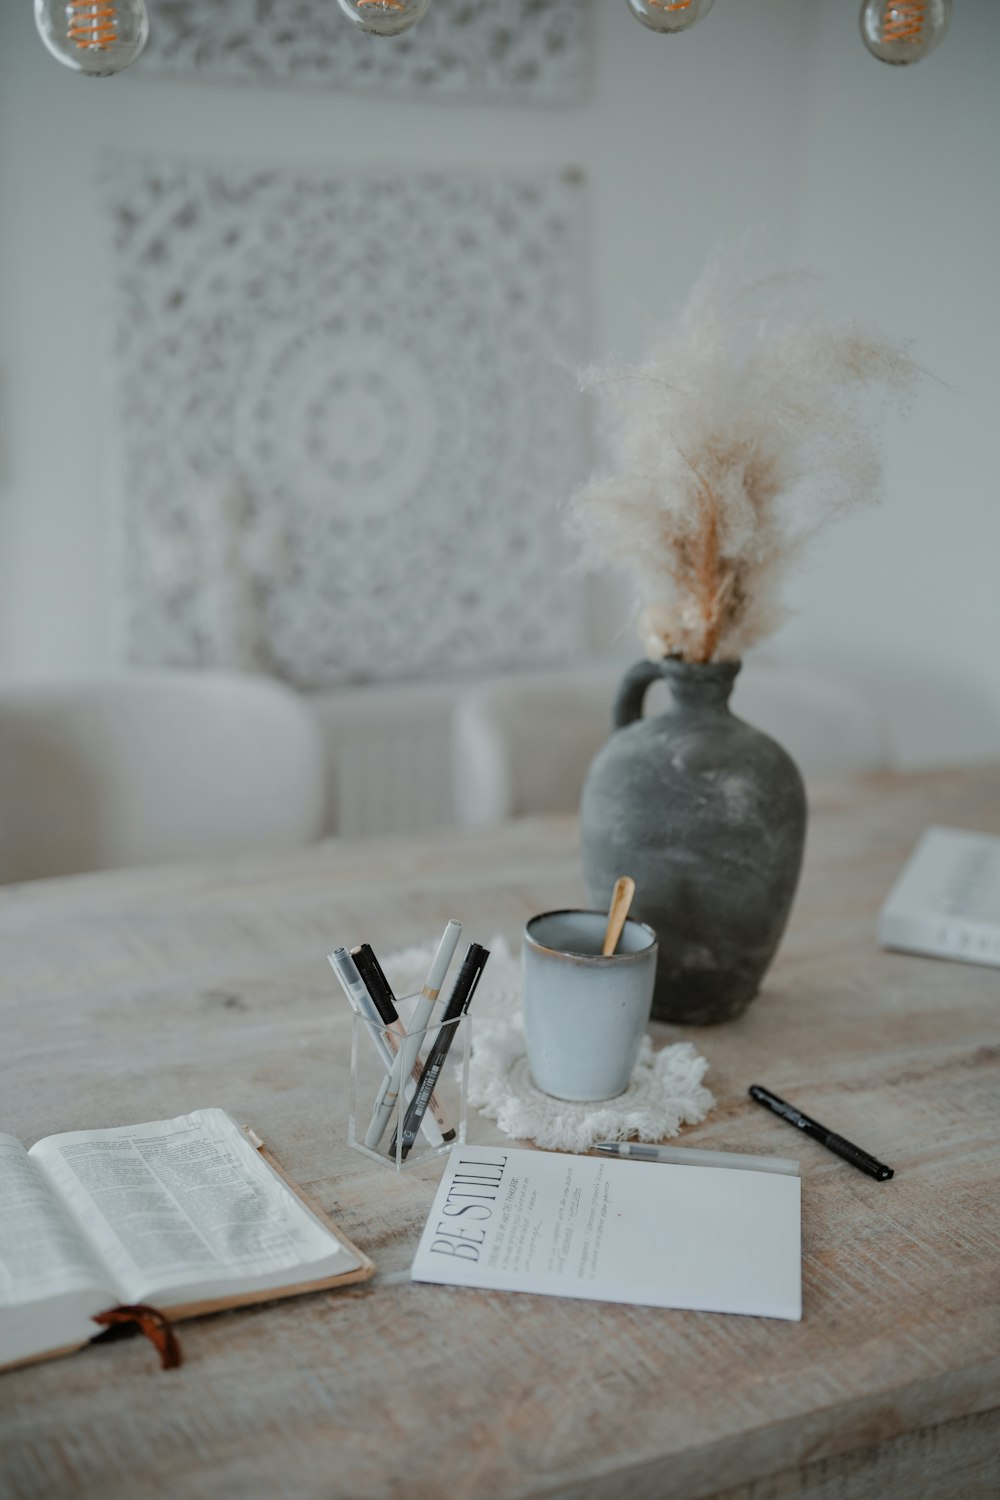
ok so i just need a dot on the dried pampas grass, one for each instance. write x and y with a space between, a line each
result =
746 429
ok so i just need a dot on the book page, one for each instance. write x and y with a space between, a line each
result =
619 1231
50 1282
184 1209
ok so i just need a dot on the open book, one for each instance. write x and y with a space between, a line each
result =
616 1231
182 1214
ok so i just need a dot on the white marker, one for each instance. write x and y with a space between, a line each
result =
686 1156
408 1053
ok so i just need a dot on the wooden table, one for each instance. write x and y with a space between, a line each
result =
135 996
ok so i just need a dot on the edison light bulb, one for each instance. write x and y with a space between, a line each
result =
669 15
384 17
98 37
903 31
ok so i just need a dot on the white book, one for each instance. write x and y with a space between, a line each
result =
946 902
616 1231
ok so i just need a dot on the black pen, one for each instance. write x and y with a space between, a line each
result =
459 1001
828 1138
384 1000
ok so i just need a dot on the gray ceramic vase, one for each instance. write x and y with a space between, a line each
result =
709 816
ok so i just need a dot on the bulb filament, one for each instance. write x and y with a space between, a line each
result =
385 4
672 4
92 25
903 21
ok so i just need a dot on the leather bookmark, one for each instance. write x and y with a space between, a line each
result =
148 1321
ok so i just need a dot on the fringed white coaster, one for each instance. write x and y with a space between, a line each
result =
665 1093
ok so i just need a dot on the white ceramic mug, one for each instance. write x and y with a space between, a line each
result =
585 1015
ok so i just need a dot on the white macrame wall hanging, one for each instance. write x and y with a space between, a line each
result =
347 417
527 51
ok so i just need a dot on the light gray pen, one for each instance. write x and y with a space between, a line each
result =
687 1156
410 1049
356 990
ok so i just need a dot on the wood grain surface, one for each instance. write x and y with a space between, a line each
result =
135 996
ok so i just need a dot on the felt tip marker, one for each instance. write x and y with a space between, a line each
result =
828 1138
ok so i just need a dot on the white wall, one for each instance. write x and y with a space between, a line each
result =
769 114
900 207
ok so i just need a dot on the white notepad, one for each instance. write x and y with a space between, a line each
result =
616 1231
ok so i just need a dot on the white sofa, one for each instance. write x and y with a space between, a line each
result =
139 767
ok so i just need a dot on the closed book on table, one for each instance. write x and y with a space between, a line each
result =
946 901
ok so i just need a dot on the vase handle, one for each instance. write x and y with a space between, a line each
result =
632 691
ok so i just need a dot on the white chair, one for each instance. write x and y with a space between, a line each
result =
142 767
522 744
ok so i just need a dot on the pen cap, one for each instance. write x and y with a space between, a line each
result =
469 976
346 970
375 982
859 1158
353 985
441 960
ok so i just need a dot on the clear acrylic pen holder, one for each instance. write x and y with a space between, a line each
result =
402 1125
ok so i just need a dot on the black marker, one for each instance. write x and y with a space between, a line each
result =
459 1000
827 1138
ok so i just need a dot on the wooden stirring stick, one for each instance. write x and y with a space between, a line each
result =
621 900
